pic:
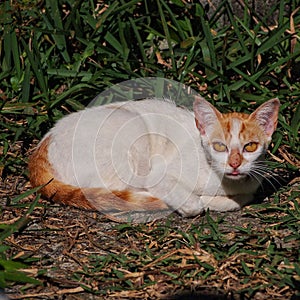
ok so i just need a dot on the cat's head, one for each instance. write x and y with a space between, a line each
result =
235 142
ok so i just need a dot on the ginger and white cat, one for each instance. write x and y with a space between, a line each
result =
150 155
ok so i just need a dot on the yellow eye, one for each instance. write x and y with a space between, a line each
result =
251 147
220 147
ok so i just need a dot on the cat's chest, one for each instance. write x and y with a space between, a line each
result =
209 183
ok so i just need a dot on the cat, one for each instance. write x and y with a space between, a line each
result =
151 155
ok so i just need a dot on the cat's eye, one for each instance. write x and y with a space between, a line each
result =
219 147
251 147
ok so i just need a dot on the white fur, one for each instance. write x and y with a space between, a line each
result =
149 146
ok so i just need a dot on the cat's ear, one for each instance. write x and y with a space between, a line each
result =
206 115
266 116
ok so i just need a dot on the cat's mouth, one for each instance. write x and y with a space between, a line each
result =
235 174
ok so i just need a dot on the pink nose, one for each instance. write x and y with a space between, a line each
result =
235 159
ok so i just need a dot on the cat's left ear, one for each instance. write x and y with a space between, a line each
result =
266 115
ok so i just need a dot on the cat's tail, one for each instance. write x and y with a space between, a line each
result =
109 202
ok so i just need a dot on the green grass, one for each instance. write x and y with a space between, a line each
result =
56 56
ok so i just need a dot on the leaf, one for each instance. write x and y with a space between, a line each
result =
57 29
295 123
21 277
114 42
10 265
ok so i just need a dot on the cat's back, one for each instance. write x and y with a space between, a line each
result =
153 113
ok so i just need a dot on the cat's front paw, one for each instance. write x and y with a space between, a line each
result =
191 208
225 203
186 212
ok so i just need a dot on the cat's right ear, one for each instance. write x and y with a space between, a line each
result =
266 116
206 115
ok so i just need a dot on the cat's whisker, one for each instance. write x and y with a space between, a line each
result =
265 170
256 178
255 173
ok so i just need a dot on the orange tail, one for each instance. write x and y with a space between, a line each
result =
41 173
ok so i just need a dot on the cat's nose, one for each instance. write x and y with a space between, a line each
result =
235 159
